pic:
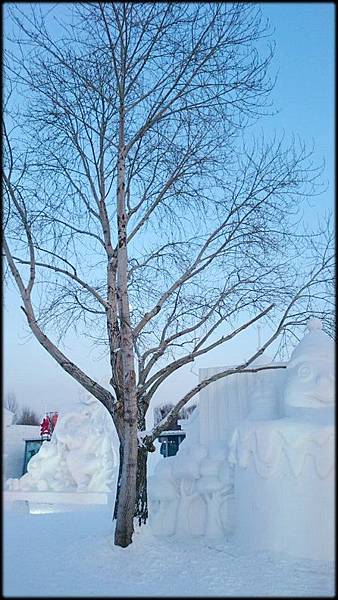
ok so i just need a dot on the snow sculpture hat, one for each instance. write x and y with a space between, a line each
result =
316 344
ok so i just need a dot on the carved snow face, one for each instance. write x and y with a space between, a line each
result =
310 383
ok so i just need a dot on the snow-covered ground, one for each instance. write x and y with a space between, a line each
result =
72 554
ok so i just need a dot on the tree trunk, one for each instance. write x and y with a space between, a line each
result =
118 481
141 508
141 504
127 490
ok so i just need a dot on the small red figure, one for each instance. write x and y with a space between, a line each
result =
45 429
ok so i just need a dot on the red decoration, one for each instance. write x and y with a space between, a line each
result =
45 426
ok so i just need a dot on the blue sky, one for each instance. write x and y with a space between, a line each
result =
304 95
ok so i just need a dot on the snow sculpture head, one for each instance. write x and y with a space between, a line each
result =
310 372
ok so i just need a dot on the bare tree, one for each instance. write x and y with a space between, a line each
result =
11 404
138 213
28 417
162 411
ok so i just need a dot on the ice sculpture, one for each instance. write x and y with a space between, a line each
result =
284 468
80 457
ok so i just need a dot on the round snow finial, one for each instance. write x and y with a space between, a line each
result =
314 324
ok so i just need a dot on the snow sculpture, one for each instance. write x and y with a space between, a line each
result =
258 459
190 493
284 484
214 485
80 456
164 499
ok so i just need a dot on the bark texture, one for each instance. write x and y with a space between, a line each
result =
141 508
141 503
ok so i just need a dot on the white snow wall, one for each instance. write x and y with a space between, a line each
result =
224 404
192 493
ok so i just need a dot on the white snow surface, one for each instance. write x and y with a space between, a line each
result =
73 555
